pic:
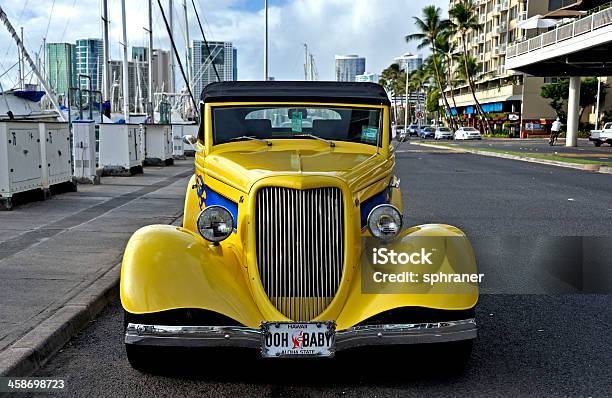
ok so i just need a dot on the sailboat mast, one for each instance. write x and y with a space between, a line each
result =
26 56
106 81
172 55
187 55
126 86
150 61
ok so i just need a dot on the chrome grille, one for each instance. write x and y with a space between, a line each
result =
300 248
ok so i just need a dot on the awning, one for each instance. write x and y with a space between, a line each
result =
537 22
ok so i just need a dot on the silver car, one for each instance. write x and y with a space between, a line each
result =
443 133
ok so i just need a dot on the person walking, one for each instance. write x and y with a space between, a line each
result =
554 131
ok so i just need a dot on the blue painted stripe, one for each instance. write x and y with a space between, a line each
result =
215 199
378 199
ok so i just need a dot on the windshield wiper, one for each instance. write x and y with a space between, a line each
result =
250 137
331 143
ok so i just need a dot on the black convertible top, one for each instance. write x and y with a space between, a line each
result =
298 91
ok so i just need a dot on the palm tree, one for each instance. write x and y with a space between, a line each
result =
446 48
464 19
431 26
390 79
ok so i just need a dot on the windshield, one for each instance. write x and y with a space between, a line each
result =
470 129
444 130
361 125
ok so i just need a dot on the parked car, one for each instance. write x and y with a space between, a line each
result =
467 133
277 233
413 130
602 136
443 133
427 132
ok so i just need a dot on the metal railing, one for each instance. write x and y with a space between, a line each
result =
593 21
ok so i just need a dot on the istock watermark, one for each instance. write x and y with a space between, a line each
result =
419 265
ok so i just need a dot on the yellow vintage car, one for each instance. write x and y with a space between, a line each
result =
294 184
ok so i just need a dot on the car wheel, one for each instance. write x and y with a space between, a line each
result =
597 143
141 358
457 354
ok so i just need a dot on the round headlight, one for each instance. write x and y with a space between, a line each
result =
215 223
385 222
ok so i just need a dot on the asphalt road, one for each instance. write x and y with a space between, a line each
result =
555 342
585 149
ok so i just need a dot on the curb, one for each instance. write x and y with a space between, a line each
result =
585 167
32 351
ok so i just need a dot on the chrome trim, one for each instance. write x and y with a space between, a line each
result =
300 248
244 337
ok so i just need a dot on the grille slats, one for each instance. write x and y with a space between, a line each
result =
300 248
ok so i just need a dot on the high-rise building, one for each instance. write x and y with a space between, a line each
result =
161 71
508 98
235 62
412 62
367 78
89 62
140 53
137 84
61 68
222 54
349 66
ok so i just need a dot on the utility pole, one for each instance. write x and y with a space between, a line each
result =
187 55
126 86
597 104
172 55
149 106
266 74
106 81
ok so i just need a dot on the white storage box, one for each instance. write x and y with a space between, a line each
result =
20 159
120 149
158 144
84 151
178 151
55 153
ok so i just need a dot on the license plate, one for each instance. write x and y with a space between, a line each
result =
298 339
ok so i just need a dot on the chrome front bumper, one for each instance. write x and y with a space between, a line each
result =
244 337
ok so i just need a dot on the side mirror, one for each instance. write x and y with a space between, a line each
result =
189 139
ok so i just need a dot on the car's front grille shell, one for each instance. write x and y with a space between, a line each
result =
300 248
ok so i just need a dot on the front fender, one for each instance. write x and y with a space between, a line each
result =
360 306
166 267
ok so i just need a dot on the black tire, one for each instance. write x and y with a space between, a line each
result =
597 144
141 358
7 204
458 354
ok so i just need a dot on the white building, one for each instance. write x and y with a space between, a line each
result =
348 67
368 78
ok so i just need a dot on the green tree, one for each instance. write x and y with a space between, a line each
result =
390 79
430 27
558 93
464 19
446 48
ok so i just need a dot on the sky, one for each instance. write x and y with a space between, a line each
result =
374 29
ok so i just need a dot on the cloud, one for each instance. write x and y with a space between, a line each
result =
371 28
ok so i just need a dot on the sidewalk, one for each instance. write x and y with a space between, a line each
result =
59 259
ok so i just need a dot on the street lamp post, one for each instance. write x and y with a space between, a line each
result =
405 58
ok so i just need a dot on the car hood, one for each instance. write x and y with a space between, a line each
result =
243 168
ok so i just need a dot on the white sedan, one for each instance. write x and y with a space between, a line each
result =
443 133
467 133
